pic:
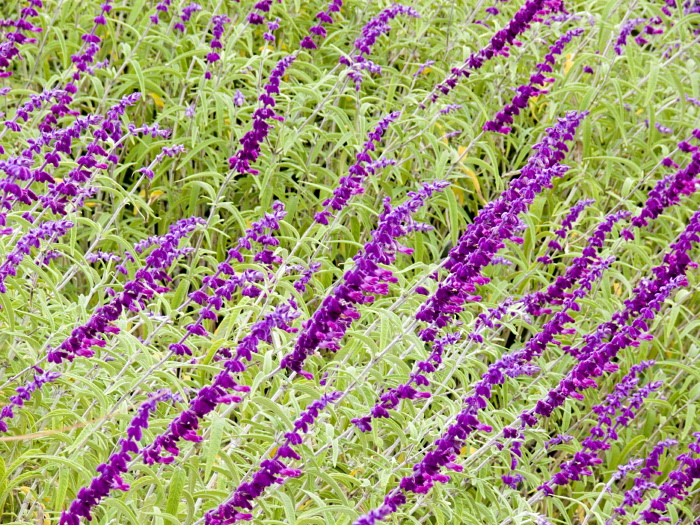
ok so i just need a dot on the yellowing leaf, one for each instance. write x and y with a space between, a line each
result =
569 62
472 176
304 505
158 101
154 195
638 111
273 452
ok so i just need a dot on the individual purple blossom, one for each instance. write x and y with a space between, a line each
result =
527 91
271 471
450 108
499 259
110 473
692 100
588 69
186 14
338 310
238 98
563 17
351 184
663 129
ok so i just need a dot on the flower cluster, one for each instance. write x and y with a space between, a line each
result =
351 184
359 285
217 30
566 224
679 481
323 17
46 230
271 470
527 91
648 468
605 431
377 26
498 45
8 47
263 6
631 25
668 191
111 472
495 223
186 14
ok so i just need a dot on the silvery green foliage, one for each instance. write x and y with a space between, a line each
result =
347 262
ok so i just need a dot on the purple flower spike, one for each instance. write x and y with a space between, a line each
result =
359 285
271 471
498 44
527 91
111 472
350 185
377 26
186 14
612 414
494 224
208 398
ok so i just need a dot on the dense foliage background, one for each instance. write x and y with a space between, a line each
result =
121 118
